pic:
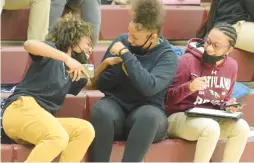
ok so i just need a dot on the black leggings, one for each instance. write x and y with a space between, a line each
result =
143 126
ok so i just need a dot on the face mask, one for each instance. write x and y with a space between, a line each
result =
139 50
212 59
81 57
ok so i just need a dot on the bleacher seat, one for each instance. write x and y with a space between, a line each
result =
14 24
115 20
97 55
168 150
7 153
19 153
245 62
74 106
92 97
171 150
18 56
14 64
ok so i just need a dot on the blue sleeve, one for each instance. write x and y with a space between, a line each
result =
153 82
77 86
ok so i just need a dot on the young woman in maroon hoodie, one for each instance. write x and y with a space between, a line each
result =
205 78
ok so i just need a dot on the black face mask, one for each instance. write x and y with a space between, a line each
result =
139 50
81 57
212 59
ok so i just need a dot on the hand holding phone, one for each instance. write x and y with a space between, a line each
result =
233 106
89 68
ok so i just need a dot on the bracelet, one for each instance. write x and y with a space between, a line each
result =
121 51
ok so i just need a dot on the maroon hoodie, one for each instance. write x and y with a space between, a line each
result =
220 80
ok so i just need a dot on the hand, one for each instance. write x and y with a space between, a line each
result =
76 69
113 60
74 75
198 84
232 108
115 49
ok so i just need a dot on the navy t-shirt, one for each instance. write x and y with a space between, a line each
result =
47 82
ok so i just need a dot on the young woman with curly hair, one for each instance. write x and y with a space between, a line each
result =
27 116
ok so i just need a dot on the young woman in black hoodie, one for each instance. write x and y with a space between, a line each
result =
133 106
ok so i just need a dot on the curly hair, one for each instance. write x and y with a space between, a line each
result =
148 13
68 31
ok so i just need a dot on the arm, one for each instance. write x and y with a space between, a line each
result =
103 75
110 78
77 86
150 83
92 82
179 90
112 75
38 50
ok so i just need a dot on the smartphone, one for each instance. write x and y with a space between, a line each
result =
235 105
89 69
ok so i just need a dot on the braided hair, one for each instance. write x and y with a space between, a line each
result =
229 31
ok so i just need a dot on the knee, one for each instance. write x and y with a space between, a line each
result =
59 140
100 114
242 128
152 116
85 130
211 129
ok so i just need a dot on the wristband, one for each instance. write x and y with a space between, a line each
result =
121 51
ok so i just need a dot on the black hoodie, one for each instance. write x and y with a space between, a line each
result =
230 11
148 76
